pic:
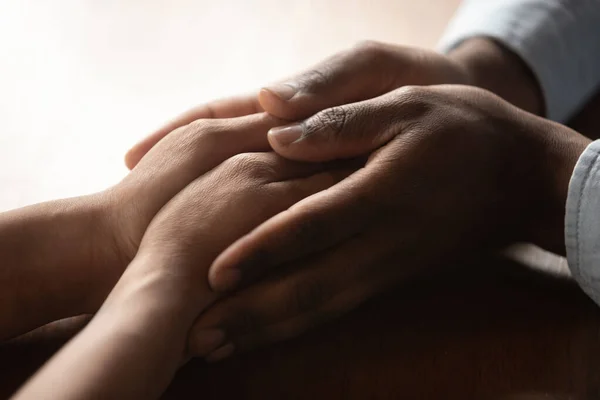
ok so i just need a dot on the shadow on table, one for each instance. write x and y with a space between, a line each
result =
492 330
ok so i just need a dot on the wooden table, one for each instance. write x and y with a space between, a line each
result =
492 330
496 329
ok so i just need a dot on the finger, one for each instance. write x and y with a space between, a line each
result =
318 222
224 108
285 304
313 224
278 332
200 345
269 167
326 218
362 72
300 188
349 130
299 324
191 151
270 199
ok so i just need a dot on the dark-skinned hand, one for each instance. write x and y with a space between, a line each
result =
452 171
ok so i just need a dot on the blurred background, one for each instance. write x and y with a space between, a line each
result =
82 80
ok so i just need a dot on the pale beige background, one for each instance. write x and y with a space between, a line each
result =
82 80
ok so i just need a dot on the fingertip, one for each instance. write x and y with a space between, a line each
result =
284 91
224 279
217 273
284 136
203 342
221 353
275 105
270 102
287 141
131 158
138 151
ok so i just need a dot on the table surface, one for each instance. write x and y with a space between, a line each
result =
491 330
82 80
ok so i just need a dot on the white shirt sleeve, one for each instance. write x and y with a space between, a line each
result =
558 39
582 222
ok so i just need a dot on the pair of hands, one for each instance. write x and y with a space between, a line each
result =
451 170
423 175
213 173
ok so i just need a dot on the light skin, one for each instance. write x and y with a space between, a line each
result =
367 70
165 224
459 174
165 287
62 258
363 72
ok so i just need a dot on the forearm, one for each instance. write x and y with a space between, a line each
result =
493 67
133 346
49 269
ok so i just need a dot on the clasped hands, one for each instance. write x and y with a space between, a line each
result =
260 236
445 172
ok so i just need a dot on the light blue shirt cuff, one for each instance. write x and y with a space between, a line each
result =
582 222
557 39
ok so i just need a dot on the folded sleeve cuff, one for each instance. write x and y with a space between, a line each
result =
557 39
582 222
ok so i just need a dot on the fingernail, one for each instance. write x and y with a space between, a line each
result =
286 135
220 353
227 279
205 341
284 91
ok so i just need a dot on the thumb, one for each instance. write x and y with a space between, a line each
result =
360 73
337 133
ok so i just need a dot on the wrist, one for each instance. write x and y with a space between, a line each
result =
493 67
161 284
91 255
54 262
557 150
130 349
86 253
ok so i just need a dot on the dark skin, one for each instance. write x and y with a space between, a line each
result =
447 170
350 76
453 171
364 72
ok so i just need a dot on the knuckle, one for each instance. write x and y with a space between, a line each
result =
316 78
203 127
414 100
380 62
201 131
410 92
370 48
332 122
307 295
251 165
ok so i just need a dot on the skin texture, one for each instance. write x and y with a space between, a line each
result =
365 71
77 267
381 67
50 274
187 188
452 171
165 287
50 266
